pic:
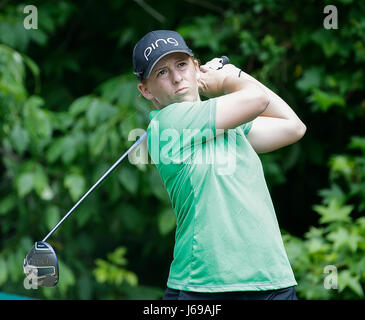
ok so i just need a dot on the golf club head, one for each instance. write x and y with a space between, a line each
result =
41 265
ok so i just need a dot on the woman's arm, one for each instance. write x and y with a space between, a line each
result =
240 100
277 107
273 127
278 126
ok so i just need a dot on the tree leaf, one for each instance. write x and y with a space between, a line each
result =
55 150
334 192
61 120
7 203
357 143
341 164
37 121
19 138
67 277
75 183
339 238
333 212
98 140
322 100
310 79
52 216
40 181
69 149
25 183
80 105
347 280
99 111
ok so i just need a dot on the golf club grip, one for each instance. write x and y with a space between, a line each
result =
225 60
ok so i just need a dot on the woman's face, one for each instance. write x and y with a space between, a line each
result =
173 79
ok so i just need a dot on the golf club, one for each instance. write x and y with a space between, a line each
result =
41 264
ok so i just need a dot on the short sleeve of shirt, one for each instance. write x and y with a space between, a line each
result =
246 127
181 126
199 115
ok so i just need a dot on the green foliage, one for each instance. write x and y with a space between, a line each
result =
51 158
68 103
339 241
113 271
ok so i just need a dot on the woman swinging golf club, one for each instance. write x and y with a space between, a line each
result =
228 243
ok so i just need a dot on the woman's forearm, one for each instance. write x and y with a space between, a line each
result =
277 107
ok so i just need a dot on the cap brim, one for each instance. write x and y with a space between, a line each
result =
149 70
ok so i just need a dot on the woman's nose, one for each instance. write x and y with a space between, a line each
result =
176 76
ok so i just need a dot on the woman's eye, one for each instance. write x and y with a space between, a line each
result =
162 72
181 64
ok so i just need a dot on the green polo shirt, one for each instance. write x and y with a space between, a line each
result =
227 235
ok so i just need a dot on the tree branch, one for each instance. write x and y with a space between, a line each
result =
151 11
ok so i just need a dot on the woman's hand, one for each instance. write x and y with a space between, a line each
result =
212 81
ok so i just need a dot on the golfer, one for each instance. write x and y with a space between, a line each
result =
228 243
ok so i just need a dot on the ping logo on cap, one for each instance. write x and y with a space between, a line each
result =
154 45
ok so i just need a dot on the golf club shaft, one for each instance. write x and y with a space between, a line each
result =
96 184
224 60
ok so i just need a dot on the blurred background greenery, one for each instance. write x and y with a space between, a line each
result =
68 101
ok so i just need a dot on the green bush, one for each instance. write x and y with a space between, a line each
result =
68 102
335 249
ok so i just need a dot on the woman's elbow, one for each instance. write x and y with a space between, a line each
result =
264 100
300 130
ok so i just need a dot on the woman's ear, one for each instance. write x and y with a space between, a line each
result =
144 91
197 69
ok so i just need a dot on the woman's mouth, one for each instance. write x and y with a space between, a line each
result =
182 90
